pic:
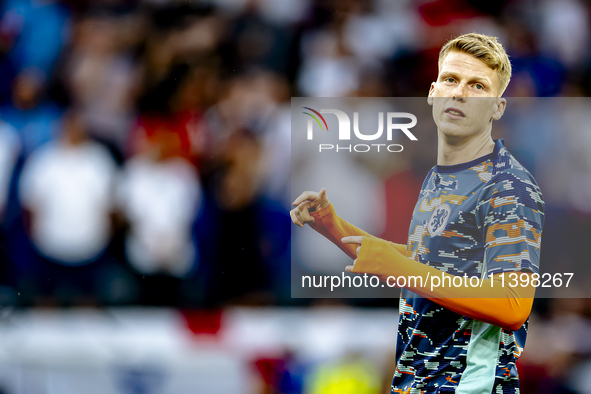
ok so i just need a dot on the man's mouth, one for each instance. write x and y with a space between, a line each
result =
455 112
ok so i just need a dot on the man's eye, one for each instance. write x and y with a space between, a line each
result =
479 86
449 79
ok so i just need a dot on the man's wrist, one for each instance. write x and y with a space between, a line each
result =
326 211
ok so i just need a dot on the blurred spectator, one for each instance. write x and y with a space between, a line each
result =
237 270
250 240
179 36
160 194
277 155
255 103
66 189
535 73
198 92
30 112
256 42
328 69
565 31
36 31
9 153
556 366
103 76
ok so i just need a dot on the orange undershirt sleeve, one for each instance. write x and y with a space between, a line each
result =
333 227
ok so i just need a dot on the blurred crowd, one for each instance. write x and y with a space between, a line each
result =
145 144
145 153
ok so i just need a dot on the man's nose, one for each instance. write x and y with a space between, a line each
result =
459 93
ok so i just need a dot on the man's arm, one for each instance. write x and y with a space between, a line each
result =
318 212
334 228
507 307
504 306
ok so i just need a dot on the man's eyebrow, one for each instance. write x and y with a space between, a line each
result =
482 80
447 74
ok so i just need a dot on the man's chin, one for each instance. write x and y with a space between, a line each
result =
452 130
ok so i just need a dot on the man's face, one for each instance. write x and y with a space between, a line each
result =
466 96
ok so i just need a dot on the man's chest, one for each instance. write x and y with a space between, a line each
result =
445 231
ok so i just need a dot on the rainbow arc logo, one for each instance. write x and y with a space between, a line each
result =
315 118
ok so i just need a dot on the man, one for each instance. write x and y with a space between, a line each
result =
479 213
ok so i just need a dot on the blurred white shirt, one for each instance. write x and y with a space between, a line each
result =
68 189
161 200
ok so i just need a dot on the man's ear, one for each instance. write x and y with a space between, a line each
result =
430 97
501 105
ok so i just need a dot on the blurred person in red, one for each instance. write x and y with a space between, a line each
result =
180 68
66 191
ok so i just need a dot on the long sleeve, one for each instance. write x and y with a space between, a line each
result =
504 306
333 227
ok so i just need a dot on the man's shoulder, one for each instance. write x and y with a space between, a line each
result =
511 185
506 168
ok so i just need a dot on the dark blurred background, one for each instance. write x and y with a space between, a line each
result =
145 187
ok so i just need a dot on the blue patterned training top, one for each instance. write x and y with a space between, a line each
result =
479 218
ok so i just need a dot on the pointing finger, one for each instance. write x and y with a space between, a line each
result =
352 240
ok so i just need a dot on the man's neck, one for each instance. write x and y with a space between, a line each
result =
452 151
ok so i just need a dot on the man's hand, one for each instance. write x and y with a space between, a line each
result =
306 203
355 240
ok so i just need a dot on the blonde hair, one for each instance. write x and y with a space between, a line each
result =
485 48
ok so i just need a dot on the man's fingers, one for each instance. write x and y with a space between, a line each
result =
318 200
305 196
301 214
304 212
352 240
321 200
303 207
294 218
358 250
349 268
322 194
